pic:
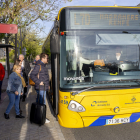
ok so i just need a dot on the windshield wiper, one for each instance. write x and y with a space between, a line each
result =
126 32
132 70
112 81
118 81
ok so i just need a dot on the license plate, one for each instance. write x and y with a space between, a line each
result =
119 120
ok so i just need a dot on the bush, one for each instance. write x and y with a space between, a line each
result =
3 60
11 60
11 56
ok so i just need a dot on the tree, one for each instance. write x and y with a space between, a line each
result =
47 47
32 45
31 42
25 12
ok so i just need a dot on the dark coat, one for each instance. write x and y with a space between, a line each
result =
37 62
27 67
43 76
25 76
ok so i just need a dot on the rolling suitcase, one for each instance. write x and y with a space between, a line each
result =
38 111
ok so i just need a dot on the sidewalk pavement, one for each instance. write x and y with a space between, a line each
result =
22 129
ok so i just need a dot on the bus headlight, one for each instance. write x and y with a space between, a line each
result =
74 106
80 108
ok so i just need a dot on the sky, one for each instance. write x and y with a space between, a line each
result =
48 25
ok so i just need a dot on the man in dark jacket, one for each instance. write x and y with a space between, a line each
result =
40 77
25 69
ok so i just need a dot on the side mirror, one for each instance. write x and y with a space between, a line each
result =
54 41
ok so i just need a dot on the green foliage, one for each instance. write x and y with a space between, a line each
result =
3 60
2 36
25 12
30 41
11 56
47 48
32 46
47 51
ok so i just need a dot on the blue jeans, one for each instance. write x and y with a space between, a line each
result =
14 99
0 88
41 96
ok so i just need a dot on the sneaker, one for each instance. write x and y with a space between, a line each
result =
47 121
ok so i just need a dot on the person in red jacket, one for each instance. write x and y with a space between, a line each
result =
2 74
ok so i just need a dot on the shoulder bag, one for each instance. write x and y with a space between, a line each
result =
31 81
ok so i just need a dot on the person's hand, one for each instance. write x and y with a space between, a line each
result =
49 87
41 83
16 92
21 93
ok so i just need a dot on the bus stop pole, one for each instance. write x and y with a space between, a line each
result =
7 56
15 47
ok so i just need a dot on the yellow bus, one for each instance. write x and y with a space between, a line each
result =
95 59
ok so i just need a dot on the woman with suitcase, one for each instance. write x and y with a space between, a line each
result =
14 90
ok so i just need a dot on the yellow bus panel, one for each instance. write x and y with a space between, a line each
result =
100 106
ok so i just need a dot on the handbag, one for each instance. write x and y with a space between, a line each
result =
31 82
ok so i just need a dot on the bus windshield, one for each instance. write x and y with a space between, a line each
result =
89 57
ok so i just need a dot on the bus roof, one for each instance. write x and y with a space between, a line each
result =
94 6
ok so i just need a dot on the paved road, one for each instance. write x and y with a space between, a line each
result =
129 131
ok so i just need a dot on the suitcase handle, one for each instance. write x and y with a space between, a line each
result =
39 94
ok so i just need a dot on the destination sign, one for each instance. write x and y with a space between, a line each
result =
104 20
